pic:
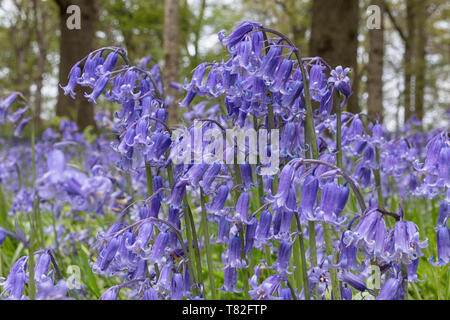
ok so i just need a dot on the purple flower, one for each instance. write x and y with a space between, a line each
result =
238 34
341 81
219 200
74 75
284 254
390 289
355 281
443 246
234 254
230 280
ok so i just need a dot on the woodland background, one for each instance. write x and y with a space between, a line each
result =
398 71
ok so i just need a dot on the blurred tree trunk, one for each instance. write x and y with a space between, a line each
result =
20 36
375 68
40 17
334 37
74 45
420 62
171 53
409 57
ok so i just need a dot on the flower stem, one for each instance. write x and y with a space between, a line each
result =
33 224
378 179
207 247
304 266
190 221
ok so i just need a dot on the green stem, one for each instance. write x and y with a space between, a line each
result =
378 179
333 272
148 173
195 240
296 260
207 247
303 257
33 235
312 242
338 130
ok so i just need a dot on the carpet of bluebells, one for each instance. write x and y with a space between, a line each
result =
353 211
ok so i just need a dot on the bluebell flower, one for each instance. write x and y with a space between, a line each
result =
266 290
111 294
99 87
250 235
42 266
247 175
390 289
14 285
284 254
234 254
159 247
406 246
219 200
346 292
443 246
230 280
354 280
317 85
341 81
263 231
238 34
177 286
74 75
223 230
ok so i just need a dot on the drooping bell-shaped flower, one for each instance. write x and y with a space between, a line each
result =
390 289
406 244
159 247
247 175
111 294
42 266
250 235
284 254
230 280
263 233
234 254
219 200
443 246
177 285
242 206
74 75
354 280
309 194
99 87
238 34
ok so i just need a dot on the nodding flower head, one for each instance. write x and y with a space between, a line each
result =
404 245
238 34
219 200
284 254
234 253
391 289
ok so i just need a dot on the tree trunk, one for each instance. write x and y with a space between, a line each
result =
375 69
420 62
408 58
171 53
74 45
40 15
334 37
